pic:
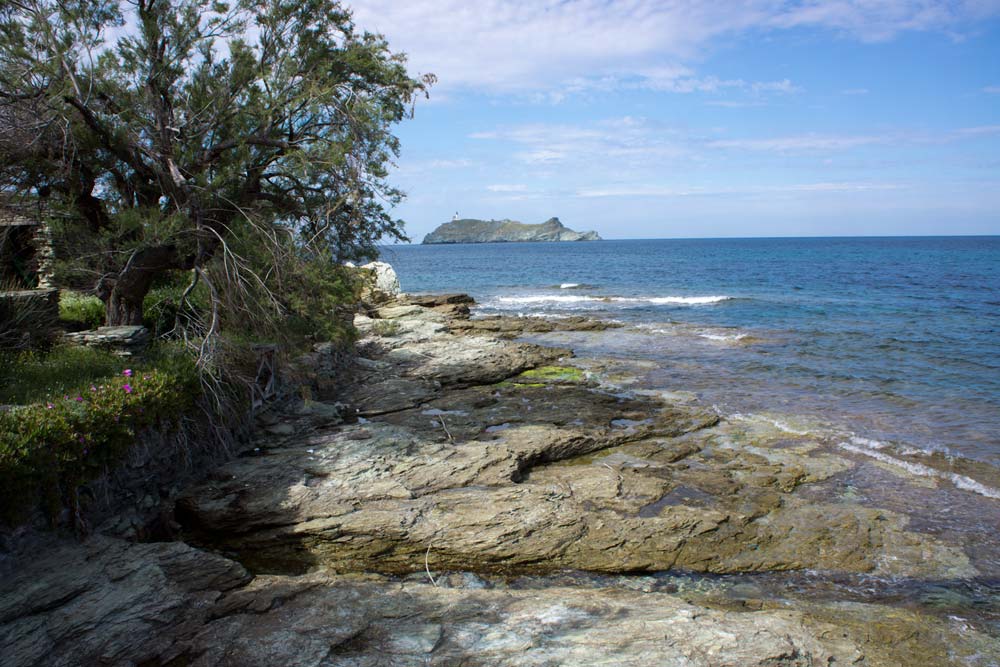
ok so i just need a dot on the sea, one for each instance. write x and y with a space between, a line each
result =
886 350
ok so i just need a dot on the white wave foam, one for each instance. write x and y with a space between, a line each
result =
776 423
871 449
969 484
569 285
546 298
656 300
688 300
867 442
723 338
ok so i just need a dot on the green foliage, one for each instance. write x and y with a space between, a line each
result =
81 309
33 376
166 307
48 449
166 146
386 328
26 321
553 375
320 303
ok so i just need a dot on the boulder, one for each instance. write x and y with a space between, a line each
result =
124 340
381 283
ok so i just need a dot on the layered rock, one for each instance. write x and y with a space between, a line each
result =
403 536
470 230
462 468
112 603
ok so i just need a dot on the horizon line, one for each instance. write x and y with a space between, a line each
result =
718 238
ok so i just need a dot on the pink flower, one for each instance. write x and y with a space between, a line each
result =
127 372
93 388
127 388
79 399
49 406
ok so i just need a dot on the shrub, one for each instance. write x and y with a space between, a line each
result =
85 310
386 328
47 450
27 320
30 377
162 308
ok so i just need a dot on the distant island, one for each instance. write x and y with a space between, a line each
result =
470 230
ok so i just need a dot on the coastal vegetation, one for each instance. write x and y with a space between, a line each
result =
52 446
202 169
183 147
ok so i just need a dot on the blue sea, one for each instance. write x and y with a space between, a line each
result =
890 340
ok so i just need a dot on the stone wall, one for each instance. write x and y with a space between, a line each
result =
25 251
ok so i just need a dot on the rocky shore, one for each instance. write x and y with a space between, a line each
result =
465 498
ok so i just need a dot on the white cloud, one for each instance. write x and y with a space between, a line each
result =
735 104
459 163
626 142
674 191
507 187
980 131
800 144
562 47
992 90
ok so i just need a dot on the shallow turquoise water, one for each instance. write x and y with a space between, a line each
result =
889 340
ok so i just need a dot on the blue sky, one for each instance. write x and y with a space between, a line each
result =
648 119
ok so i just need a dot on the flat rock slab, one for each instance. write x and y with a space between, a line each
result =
108 602
461 482
507 326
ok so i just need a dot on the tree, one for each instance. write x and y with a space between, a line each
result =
172 128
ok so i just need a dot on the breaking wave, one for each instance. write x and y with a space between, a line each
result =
876 450
570 299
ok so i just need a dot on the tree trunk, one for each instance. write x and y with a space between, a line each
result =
123 294
124 308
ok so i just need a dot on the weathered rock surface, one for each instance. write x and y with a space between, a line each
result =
455 480
122 339
477 457
380 282
109 602
506 326
416 357
470 230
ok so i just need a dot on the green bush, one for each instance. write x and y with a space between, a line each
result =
162 309
27 322
386 328
30 377
48 449
85 310
320 302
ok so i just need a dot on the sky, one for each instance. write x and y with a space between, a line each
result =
687 118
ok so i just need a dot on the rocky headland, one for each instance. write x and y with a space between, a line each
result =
469 230
461 498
